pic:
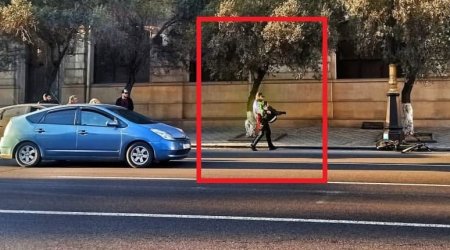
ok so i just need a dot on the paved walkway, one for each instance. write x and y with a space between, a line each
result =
311 137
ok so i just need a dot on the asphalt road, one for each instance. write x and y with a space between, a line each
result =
65 214
76 205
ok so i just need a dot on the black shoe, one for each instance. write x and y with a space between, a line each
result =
273 148
253 148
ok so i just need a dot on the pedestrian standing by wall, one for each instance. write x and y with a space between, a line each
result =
125 100
73 99
265 128
94 101
47 98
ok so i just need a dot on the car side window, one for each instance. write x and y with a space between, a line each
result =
62 117
92 118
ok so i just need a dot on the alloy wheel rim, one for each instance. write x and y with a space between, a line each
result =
28 155
140 155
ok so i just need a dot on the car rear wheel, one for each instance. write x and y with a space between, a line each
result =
139 155
28 154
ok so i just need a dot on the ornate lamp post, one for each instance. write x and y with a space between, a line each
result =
393 128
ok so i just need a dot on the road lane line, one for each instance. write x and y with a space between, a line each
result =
124 178
388 184
232 218
194 179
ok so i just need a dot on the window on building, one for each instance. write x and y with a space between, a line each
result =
351 65
112 67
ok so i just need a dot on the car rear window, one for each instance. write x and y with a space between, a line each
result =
35 118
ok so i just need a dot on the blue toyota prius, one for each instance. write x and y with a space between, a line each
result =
91 132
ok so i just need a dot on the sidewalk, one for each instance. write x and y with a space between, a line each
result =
311 137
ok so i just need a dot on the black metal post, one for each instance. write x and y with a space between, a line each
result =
393 130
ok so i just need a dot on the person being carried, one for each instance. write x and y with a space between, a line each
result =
125 100
257 111
266 115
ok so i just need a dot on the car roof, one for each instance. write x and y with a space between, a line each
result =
43 105
81 105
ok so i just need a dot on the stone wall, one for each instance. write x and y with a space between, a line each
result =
350 102
12 76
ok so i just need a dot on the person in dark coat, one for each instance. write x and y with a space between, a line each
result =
125 100
47 98
265 128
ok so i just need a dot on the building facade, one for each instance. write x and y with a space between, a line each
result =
169 95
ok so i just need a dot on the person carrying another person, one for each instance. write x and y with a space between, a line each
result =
125 100
265 115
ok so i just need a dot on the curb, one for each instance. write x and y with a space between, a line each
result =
372 148
225 145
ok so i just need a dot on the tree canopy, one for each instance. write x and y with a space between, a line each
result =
48 27
239 49
127 30
415 34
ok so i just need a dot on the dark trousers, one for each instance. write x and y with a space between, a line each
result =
265 129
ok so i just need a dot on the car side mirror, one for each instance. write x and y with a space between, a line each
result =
113 123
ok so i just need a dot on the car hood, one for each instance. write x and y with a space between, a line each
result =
175 132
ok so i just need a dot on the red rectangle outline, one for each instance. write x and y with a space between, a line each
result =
321 19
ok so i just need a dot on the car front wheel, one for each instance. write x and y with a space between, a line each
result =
139 155
28 154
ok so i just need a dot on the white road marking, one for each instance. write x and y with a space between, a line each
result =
194 179
124 178
388 184
233 218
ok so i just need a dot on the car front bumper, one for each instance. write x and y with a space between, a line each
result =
173 150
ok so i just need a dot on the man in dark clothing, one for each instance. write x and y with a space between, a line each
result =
47 98
265 128
125 100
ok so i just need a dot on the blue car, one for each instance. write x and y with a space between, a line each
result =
91 132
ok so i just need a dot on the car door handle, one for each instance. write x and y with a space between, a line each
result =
40 130
82 132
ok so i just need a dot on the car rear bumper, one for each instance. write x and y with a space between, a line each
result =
6 156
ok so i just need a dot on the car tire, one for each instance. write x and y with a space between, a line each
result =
28 155
139 155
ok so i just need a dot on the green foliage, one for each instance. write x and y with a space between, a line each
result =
128 29
235 49
414 34
48 27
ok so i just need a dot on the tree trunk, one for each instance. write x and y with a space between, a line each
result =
255 87
131 81
250 122
407 114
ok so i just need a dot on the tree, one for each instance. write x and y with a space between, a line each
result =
124 28
258 49
133 30
414 34
48 27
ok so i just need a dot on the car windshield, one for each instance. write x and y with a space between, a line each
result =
131 115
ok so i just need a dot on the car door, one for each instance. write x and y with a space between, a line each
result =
56 133
95 138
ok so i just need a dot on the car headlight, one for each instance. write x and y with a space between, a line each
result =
163 134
